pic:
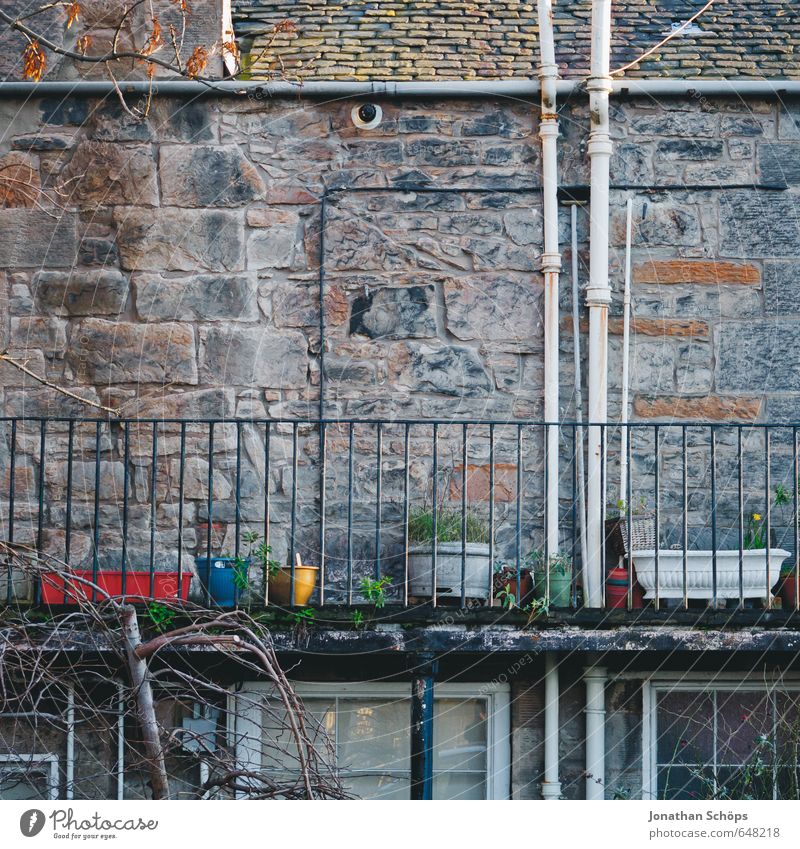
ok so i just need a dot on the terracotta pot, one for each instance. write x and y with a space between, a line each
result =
503 580
787 589
617 590
280 585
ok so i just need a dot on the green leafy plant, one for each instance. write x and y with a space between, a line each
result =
160 616
302 617
374 591
755 533
619 509
448 526
358 619
506 598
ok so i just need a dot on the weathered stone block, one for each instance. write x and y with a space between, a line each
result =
179 240
107 351
524 226
253 357
49 334
690 149
207 176
395 313
758 224
758 357
782 288
709 272
662 223
668 122
495 309
446 370
214 403
32 238
46 402
111 174
779 163
443 153
276 242
709 408
478 482
80 292
112 478
203 298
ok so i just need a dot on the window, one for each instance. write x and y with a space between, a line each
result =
369 726
28 777
722 740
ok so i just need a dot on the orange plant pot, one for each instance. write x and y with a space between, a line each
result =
280 585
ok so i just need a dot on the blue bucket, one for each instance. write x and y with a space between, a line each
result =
217 576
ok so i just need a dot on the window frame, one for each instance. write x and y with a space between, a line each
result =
47 764
498 696
712 681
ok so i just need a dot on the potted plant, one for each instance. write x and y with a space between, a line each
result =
642 532
476 563
559 566
226 577
505 589
786 588
280 582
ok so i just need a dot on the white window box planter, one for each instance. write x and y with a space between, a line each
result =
699 582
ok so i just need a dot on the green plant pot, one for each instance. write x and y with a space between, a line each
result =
560 589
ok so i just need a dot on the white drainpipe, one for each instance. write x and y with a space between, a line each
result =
598 293
551 261
595 679
551 786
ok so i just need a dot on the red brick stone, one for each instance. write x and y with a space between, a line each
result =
705 272
505 482
707 408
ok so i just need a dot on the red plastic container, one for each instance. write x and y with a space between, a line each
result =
137 586
617 590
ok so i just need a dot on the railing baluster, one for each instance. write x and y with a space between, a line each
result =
68 517
464 478
12 472
292 565
713 516
519 513
378 495
267 472
126 458
435 511
629 508
209 511
181 469
37 590
546 540
685 520
574 511
768 512
350 516
323 472
153 520
96 539
740 482
602 517
406 475
796 502
491 503
237 492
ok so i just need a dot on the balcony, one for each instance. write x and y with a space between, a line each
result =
334 520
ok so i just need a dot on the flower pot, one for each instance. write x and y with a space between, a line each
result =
509 579
787 590
280 585
617 590
699 578
477 570
16 586
57 590
218 576
560 588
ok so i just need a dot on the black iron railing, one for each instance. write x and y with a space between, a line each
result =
229 511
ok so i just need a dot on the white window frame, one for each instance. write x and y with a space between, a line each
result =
47 764
498 696
728 682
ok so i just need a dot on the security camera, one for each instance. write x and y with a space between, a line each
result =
366 115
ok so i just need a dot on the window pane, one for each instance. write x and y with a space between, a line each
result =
680 782
22 783
685 727
374 734
278 750
744 727
459 734
378 786
454 785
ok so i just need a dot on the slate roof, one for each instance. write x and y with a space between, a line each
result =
481 39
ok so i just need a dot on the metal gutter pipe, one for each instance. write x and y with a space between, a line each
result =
595 680
551 265
551 786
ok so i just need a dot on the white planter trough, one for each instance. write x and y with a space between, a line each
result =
477 573
699 582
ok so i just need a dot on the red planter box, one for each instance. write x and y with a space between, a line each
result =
137 586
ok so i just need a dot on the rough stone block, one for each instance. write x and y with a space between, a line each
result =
32 238
207 176
779 163
708 408
758 224
395 313
49 334
111 174
179 240
107 351
670 271
253 357
754 357
80 292
478 482
204 298
782 288
446 370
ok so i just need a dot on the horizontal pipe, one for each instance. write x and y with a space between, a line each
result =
521 88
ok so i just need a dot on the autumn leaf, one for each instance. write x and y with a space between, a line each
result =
182 5
231 47
73 10
196 63
154 40
83 44
285 25
34 61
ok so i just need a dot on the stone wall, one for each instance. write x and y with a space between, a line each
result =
170 268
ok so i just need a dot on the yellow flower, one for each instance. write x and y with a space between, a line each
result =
756 517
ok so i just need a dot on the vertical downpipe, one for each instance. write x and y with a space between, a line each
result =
598 293
422 727
595 680
551 786
551 263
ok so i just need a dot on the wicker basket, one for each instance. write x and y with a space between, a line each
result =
642 534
